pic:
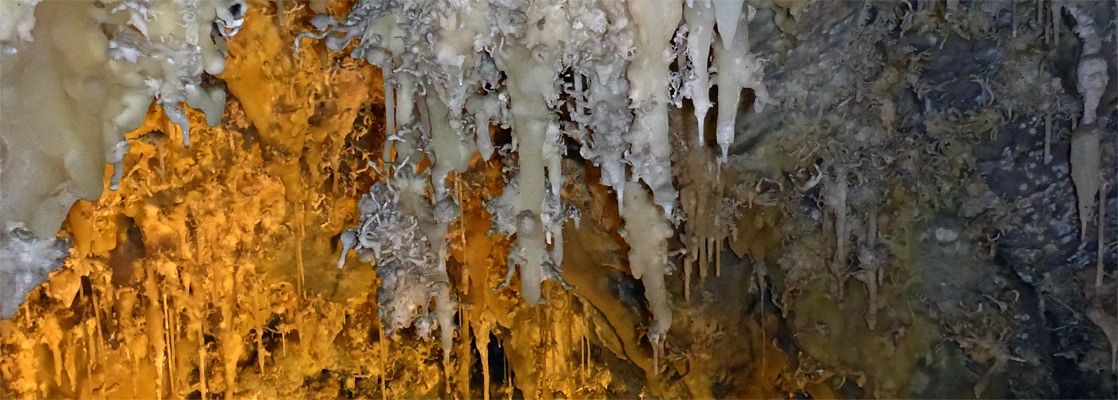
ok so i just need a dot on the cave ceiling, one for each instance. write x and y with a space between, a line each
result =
558 199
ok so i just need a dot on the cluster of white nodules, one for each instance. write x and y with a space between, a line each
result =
594 72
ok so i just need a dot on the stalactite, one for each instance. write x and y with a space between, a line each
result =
155 327
700 18
647 235
451 149
483 351
485 109
389 114
200 328
168 337
230 340
529 123
687 264
1092 79
648 73
522 83
1101 253
1085 162
727 13
836 199
704 260
737 69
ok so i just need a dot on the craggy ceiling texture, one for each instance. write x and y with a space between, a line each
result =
891 199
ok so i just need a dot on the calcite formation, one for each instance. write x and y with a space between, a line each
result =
302 193
77 75
563 70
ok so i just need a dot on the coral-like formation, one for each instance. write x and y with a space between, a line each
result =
393 236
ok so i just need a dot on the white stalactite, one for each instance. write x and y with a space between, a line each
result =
501 65
650 147
737 69
700 20
485 109
727 13
647 233
530 86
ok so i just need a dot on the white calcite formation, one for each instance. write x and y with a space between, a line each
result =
27 262
647 235
655 23
600 72
17 22
699 15
75 76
